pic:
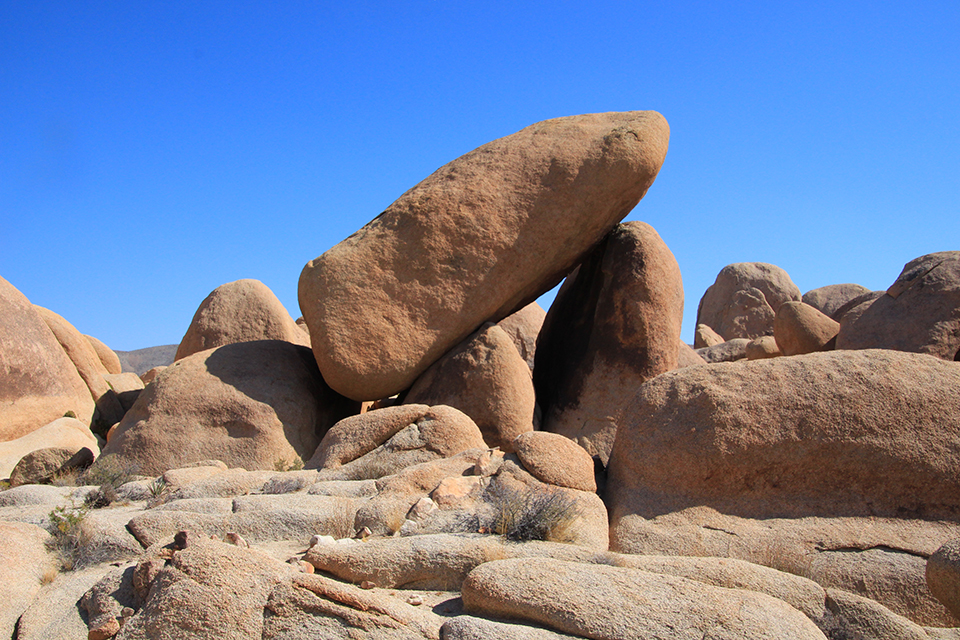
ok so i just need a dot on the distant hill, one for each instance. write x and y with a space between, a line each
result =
142 360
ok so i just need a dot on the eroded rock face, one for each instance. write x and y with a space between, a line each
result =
614 325
485 378
864 433
920 311
478 239
63 432
38 383
744 299
240 311
249 404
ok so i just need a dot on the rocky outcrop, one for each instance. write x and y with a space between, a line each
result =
68 433
241 311
729 351
39 382
615 324
943 575
918 313
743 301
485 378
883 423
491 231
249 404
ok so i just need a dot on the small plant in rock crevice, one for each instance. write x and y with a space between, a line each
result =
535 514
66 528
284 464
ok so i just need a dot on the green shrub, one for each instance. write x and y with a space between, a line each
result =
282 464
66 527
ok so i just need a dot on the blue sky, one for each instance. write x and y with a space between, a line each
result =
150 152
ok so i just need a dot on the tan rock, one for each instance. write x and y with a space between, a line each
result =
248 404
24 561
88 365
829 299
485 378
240 311
918 312
744 299
706 337
555 459
615 324
833 433
490 231
523 327
127 386
108 358
43 464
687 357
729 351
859 617
65 432
943 575
762 348
39 382
598 601
799 328
151 375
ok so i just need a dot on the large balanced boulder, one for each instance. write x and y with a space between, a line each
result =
614 325
249 404
477 240
744 299
839 433
240 311
920 311
485 378
38 382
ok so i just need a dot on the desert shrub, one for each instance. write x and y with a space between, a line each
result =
535 514
283 464
66 527
109 473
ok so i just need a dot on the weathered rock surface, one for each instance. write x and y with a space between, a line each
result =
729 351
523 327
54 613
599 601
88 365
490 231
554 459
762 348
248 404
425 434
241 311
109 359
744 299
864 433
43 464
829 299
799 328
39 383
485 378
687 357
859 617
68 433
473 628
23 563
706 337
943 575
615 324
919 312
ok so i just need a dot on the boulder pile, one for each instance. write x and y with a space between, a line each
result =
427 453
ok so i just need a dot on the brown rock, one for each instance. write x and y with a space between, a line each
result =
614 325
836 433
859 617
127 386
743 301
762 348
918 313
39 382
108 358
831 298
240 311
43 464
799 328
598 601
88 365
248 404
150 375
729 351
105 631
485 378
706 337
523 327
69 433
490 232
554 459
687 357
943 575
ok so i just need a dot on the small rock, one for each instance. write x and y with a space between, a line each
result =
182 539
415 601
318 539
235 539
107 630
366 584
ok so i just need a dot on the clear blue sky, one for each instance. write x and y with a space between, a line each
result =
150 152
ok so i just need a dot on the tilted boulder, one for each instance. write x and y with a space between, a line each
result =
523 327
614 325
920 311
871 432
744 299
38 383
240 311
249 404
477 240
799 328
485 378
